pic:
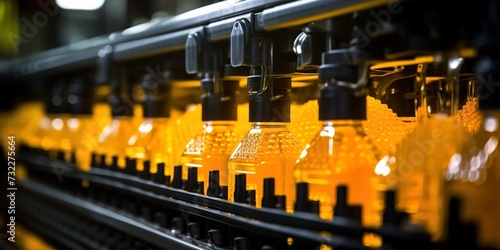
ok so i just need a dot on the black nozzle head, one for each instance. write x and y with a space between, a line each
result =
55 102
80 96
341 103
273 104
222 105
157 93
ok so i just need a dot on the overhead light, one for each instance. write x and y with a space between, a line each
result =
80 4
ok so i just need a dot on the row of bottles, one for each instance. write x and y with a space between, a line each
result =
347 149
356 141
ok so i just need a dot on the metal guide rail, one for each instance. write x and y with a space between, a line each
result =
152 214
170 35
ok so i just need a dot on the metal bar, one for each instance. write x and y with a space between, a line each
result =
151 46
306 11
198 17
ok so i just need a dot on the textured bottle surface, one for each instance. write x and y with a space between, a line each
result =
341 154
469 115
112 141
384 128
304 123
152 141
267 150
418 166
210 150
478 184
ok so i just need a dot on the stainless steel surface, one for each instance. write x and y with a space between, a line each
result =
152 45
306 11
221 30
200 16
170 35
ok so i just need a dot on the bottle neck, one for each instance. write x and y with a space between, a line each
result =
157 121
337 123
219 123
272 125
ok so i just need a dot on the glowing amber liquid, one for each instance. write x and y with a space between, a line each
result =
341 155
418 169
384 128
478 186
469 115
305 124
83 134
268 150
210 150
152 141
112 141
185 127
22 123
54 134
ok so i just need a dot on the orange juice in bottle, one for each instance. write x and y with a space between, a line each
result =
152 140
268 150
210 149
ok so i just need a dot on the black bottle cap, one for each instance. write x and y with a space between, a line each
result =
201 187
193 230
159 177
341 103
103 162
222 106
251 197
160 219
80 96
93 161
302 197
341 207
336 64
390 215
240 243
178 224
213 184
145 213
192 181
145 174
273 104
114 163
269 197
131 166
224 191
61 156
55 102
177 180
281 202
214 237
240 190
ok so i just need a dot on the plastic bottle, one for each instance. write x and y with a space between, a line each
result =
269 149
210 149
152 140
